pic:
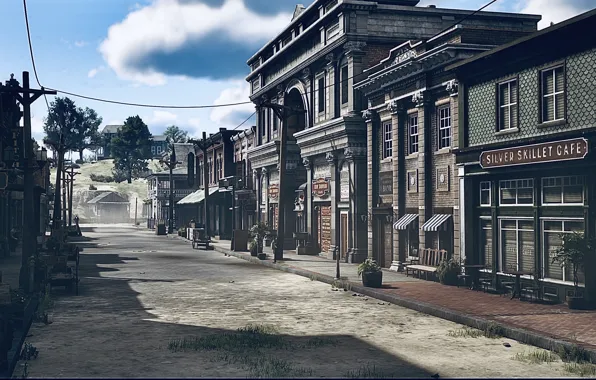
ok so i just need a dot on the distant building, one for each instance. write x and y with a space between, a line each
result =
158 145
109 207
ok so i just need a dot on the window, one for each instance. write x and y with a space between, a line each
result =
486 242
152 149
220 175
275 126
553 94
344 84
210 163
158 149
387 140
485 193
263 120
552 230
516 192
508 105
517 245
563 190
321 84
444 127
413 134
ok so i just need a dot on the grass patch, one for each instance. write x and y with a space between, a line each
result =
574 354
367 371
537 357
491 331
342 284
581 369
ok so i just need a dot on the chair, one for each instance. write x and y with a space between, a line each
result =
486 281
462 275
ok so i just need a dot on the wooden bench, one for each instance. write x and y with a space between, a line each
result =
427 262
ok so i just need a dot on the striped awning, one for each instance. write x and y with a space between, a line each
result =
436 222
404 221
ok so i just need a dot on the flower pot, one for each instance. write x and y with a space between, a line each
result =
449 279
575 302
253 252
372 279
262 256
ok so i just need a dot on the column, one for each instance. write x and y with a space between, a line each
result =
369 117
356 157
256 177
424 165
307 77
265 175
331 92
334 188
308 202
399 141
354 54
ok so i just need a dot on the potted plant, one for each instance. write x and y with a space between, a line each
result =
258 232
371 273
253 247
574 248
182 232
448 271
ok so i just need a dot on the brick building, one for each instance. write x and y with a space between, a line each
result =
525 158
412 129
313 65
245 194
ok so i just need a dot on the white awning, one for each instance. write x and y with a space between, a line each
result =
196 197
404 221
436 222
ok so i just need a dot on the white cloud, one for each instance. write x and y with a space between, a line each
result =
37 128
168 25
93 72
161 118
194 124
555 10
223 116
80 44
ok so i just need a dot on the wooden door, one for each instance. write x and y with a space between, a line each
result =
344 237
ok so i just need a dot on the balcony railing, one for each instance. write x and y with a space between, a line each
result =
164 193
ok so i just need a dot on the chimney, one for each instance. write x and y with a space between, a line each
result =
432 6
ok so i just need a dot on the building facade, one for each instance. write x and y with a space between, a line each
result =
412 129
159 143
526 153
244 192
311 67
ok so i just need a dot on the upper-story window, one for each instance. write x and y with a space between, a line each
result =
159 149
485 196
221 175
553 94
210 163
387 140
275 126
444 116
321 94
263 123
286 41
413 133
152 149
333 30
563 190
344 84
508 105
517 192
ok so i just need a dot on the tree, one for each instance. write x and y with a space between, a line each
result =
131 148
175 135
91 136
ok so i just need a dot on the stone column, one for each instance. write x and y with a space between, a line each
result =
332 97
424 156
256 178
355 55
307 77
309 206
265 175
334 187
369 117
356 159
398 206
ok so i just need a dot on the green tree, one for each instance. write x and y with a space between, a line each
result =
131 148
90 128
175 135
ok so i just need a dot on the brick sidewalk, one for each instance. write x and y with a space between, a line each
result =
553 322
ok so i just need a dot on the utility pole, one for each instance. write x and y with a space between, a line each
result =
26 96
60 151
171 164
70 181
64 195
282 112
203 144
136 206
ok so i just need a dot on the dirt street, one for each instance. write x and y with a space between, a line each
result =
150 306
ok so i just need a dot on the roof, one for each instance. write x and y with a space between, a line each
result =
159 138
196 197
587 17
109 197
111 128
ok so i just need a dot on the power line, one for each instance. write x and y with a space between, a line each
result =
31 52
247 119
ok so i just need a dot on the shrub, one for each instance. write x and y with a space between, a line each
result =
101 178
369 266
448 271
91 187
79 162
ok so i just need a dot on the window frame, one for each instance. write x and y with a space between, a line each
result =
487 266
542 96
321 106
344 84
517 204
490 191
543 246
563 203
387 139
440 127
411 135
510 105
517 230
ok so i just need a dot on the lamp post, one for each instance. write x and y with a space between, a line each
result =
171 164
228 184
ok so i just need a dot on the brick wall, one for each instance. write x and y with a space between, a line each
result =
377 52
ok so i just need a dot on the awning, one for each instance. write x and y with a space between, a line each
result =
196 197
404 221
435 222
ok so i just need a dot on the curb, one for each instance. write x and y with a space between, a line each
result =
518 334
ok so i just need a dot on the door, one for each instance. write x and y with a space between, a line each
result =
344 237
379 247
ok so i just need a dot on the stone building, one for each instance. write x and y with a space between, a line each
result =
525 158
412 131
312 66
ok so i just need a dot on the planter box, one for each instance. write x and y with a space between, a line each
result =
372 279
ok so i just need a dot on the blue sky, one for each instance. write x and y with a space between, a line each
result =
177 52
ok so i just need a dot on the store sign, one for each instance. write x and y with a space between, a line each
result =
573 149
274 191
386 183
320 187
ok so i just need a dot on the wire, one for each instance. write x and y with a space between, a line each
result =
31 51
247 119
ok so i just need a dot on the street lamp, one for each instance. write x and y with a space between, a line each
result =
228 184
171 164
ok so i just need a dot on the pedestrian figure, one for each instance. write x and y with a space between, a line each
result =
76 220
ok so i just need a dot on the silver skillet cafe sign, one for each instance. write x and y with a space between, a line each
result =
573 149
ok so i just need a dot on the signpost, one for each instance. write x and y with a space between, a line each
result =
563 150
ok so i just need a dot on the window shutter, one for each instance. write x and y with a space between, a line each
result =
547 82
573 194
560 111
548 108
559 79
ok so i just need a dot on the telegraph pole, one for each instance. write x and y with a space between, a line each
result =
203 144
171 164
70 181
26 96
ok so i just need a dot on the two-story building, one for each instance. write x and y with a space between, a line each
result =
220 164
244 192
158 187
311 67
412 129
526 159
159 143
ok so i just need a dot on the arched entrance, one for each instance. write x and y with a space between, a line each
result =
295 121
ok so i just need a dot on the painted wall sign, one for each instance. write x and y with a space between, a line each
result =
572 149
273 191
386 183
320 187
344 183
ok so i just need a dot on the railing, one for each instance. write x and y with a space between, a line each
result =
164 193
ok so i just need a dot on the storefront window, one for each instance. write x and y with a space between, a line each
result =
516 192
551 231
486 243
485 193
563 190
517 245
413 239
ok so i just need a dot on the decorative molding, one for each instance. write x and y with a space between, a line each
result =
354 47
306 73
264 171
264 97
331 158
452 87
394 106
330 58
418 99
306 162
368 114
352 153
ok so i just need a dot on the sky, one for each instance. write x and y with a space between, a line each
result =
169 52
